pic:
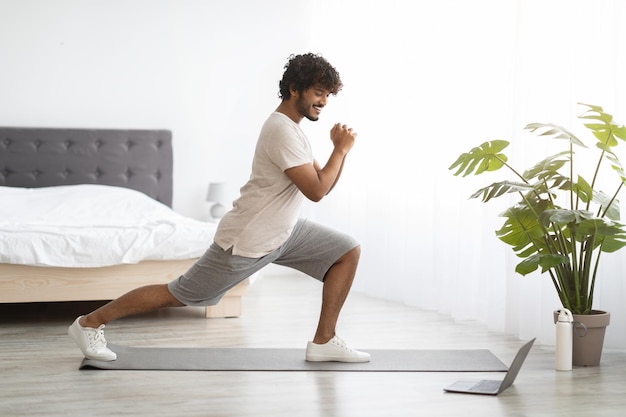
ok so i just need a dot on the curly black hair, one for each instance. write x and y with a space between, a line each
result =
307 70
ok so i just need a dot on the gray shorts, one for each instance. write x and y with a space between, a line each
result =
311 248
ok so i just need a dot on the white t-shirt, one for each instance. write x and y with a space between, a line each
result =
268 208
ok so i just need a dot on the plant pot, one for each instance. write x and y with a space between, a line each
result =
588 336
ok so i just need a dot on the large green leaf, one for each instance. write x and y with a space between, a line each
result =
565 216
597 226
583 190
555 132
613 211
582 224
546 261
548 167
614 243
606 131
610 235
499 188
521 229
486 157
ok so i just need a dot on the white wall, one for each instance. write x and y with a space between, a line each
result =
424 81
207 70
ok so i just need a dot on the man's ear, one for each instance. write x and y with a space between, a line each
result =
292 91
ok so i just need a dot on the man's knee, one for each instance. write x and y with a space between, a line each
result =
351 257
169 300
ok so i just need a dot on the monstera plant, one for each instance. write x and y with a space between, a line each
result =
562 223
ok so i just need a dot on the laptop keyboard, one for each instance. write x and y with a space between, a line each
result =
486 385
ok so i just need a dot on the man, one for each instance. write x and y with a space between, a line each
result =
263 226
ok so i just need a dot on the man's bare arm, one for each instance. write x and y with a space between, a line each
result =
314 181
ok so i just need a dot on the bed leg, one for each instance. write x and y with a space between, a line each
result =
229 306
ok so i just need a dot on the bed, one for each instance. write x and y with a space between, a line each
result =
115 182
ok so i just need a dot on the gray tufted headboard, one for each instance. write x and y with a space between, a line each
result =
41 157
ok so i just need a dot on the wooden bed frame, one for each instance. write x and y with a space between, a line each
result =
138 159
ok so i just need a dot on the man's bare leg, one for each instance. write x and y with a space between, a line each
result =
337 284
140 300
326 345
87 331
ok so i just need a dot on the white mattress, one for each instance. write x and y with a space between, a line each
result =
94 226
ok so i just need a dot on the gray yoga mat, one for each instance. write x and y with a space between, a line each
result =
265 359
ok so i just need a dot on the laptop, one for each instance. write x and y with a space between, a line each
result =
491 386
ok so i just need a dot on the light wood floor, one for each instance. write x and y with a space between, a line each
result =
39 373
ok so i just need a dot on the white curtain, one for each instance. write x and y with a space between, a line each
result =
426 81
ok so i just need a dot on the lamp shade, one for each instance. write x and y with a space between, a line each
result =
216 192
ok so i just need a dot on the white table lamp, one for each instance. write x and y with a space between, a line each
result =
216 195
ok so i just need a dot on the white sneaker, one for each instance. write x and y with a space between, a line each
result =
335 350
91 341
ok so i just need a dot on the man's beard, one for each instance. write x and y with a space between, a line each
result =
303 110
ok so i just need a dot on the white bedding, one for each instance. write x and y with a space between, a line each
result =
94 226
